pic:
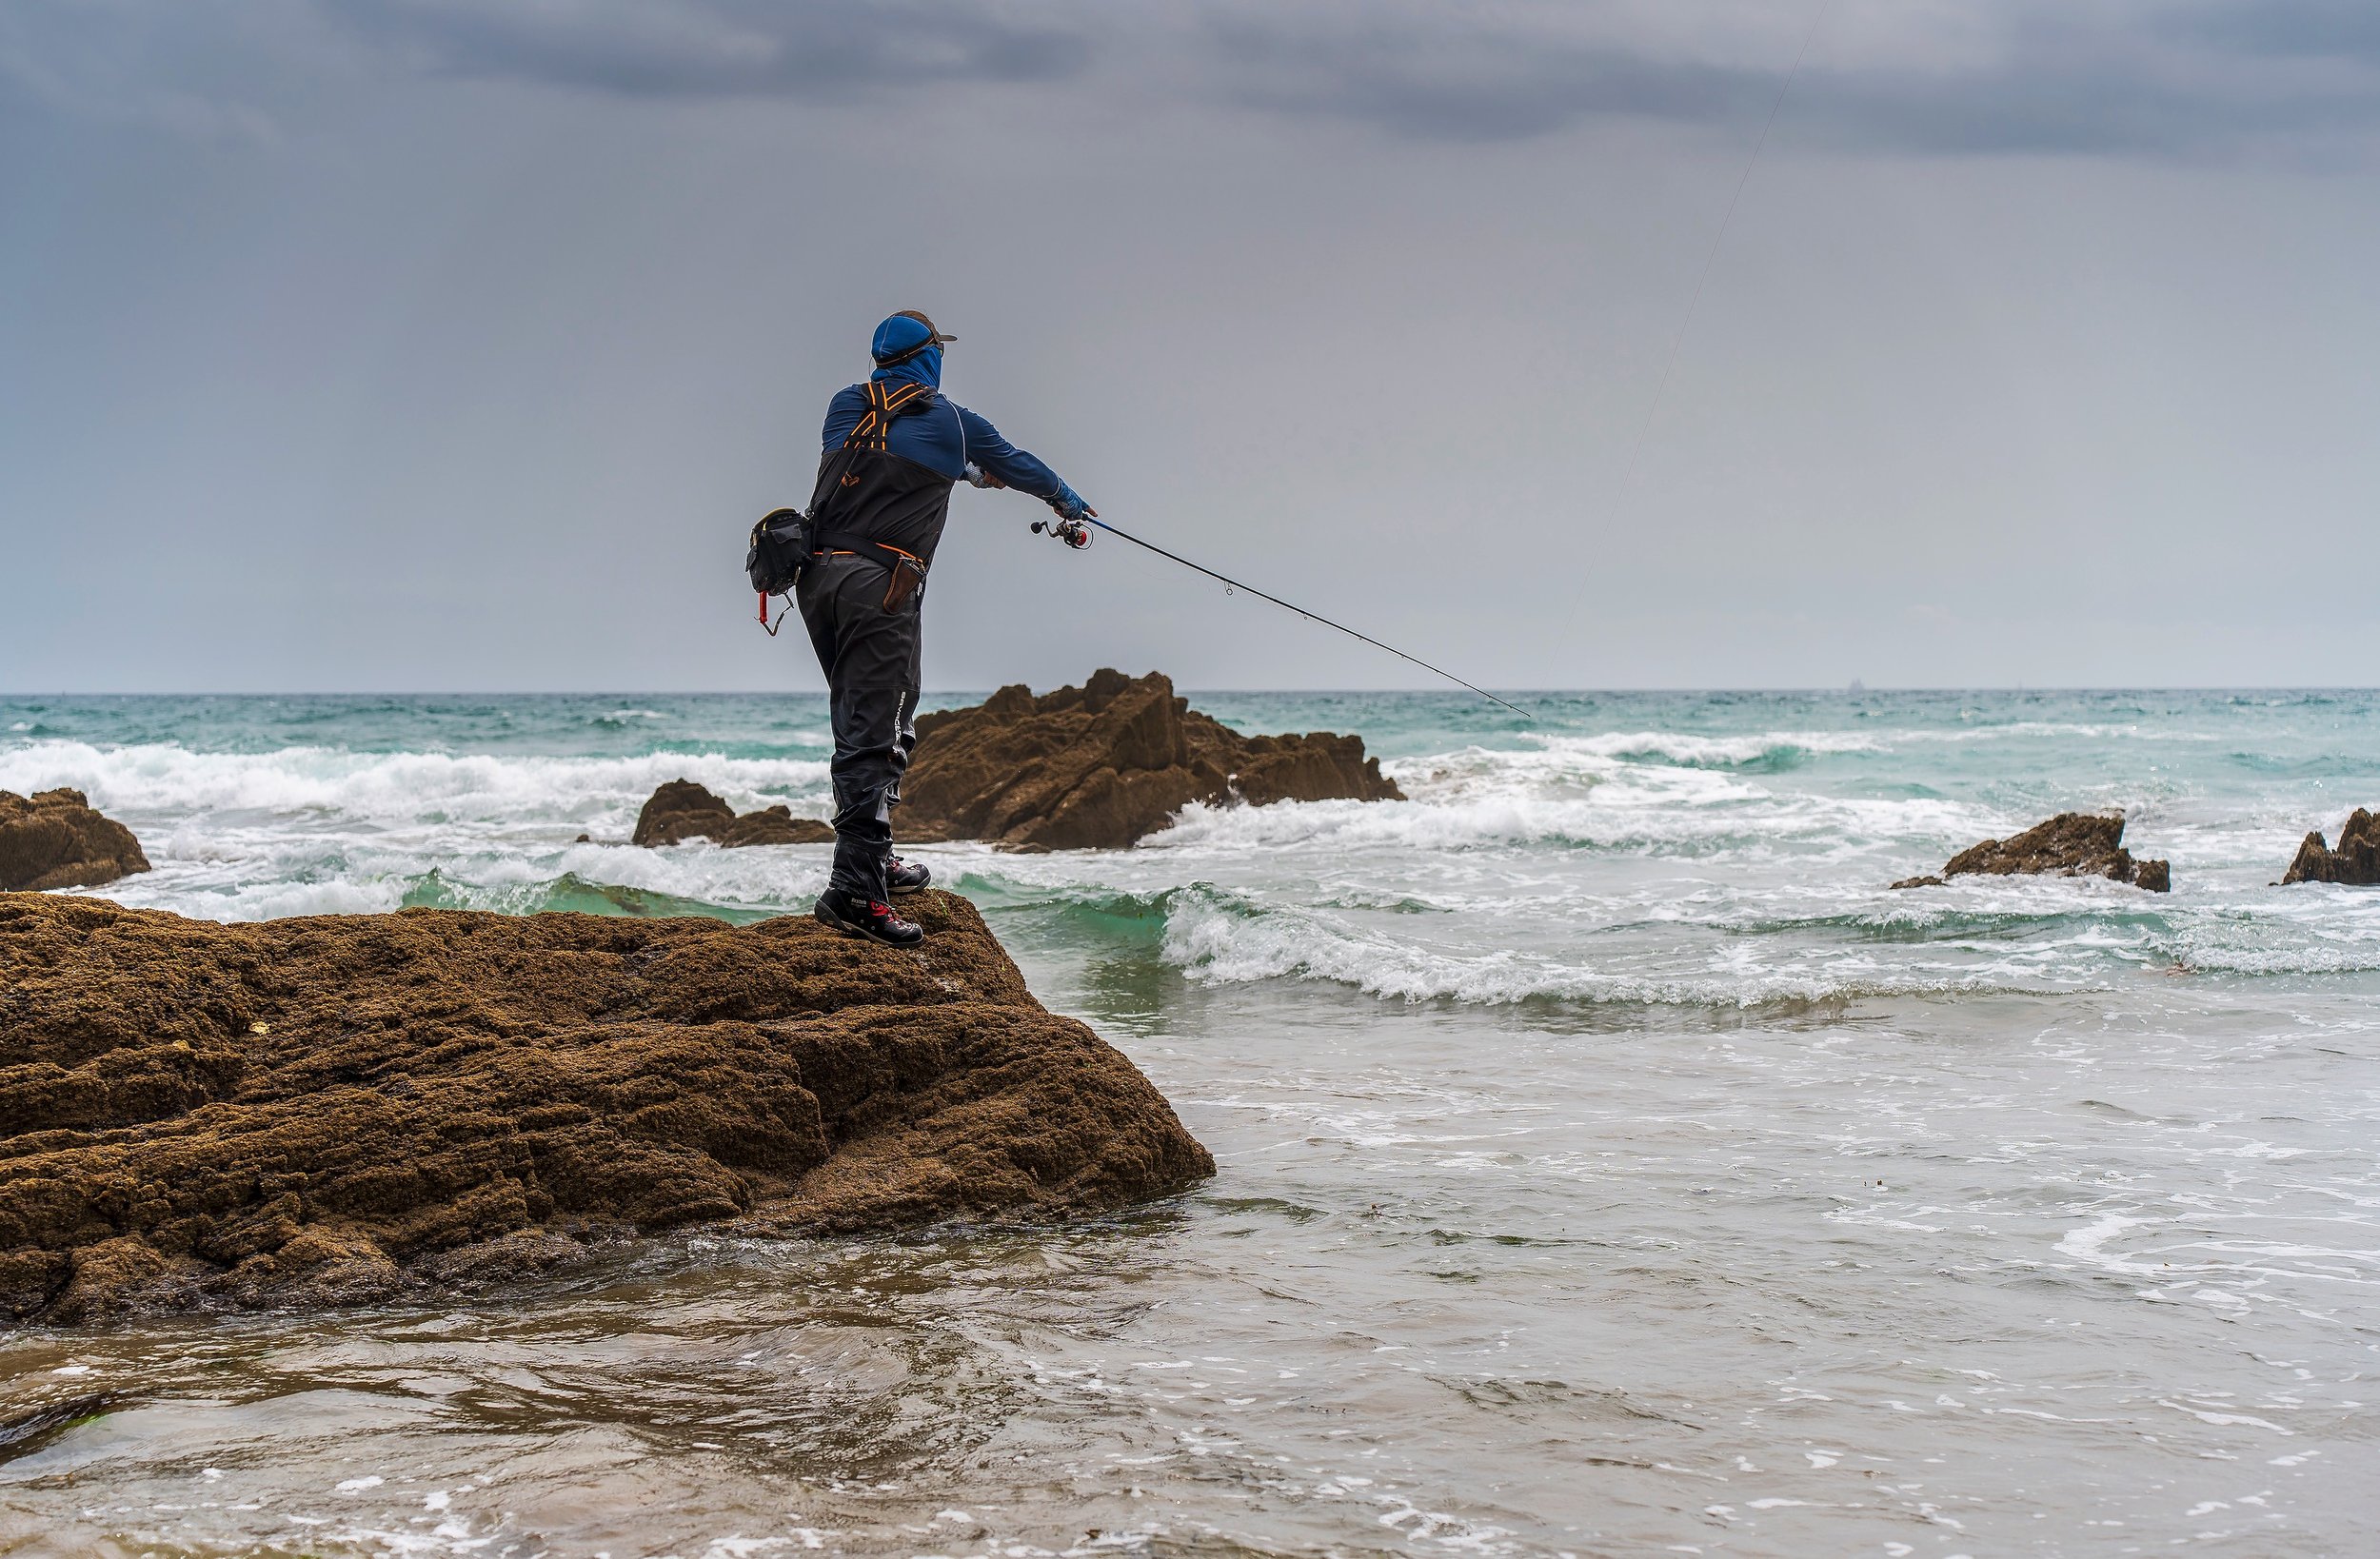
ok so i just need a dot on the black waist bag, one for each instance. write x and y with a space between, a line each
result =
781 544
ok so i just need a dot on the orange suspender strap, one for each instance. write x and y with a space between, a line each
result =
873 432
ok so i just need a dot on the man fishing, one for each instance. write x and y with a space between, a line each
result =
894 446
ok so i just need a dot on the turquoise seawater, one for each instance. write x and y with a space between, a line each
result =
1728 848
1610 1161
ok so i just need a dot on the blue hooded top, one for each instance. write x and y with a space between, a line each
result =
947 437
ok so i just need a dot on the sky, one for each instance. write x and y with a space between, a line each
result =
454 344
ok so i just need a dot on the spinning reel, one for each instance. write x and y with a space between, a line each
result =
1072 532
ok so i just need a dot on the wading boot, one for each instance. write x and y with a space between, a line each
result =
872 918
908 876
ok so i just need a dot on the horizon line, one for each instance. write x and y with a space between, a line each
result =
1834 688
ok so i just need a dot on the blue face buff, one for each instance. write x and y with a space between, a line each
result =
920 367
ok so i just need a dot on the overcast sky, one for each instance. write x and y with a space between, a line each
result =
455 344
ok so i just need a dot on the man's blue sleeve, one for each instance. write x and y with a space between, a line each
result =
1000 457
842 415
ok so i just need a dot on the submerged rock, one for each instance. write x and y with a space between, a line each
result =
25 1429
2069 844
53 839
1103 765
345 1108
683 810
2356 860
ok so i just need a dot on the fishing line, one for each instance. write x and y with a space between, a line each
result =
1693 302
1231 584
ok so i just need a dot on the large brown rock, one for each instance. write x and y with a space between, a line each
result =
683 810
1103 765
2356 860
343 1108
53 839
2069 844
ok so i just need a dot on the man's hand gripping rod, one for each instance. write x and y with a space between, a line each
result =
1074 534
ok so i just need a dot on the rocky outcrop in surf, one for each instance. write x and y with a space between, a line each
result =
53 839
2069 844
683 810
348 1108
1106 765
2356 860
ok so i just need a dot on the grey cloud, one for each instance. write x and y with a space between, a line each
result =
2339 30
2169 80
1432 82
251 62
2173 79
723 47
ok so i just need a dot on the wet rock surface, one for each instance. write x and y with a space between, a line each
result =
1106 765
53 839
348 1108
2356 860
683 810
25 1427
2069 844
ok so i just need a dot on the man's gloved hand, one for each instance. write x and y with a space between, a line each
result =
978 477
1069 506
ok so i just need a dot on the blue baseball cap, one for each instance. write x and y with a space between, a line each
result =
904 334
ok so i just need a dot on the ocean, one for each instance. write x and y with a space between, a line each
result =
1611 1162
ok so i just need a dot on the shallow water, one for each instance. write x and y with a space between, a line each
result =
1610 1164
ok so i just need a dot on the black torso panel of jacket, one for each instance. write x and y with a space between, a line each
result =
867 495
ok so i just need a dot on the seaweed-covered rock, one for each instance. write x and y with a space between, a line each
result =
2069 844
2356 860
53 839
683 810
342 1108
1103 765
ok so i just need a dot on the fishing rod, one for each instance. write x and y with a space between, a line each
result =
1072 533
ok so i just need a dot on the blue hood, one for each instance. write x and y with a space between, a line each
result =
915 343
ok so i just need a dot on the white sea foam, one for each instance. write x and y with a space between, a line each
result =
400 787
2039 730
1711 751
1571 792
1623 866
786 876
1226 940
1752 826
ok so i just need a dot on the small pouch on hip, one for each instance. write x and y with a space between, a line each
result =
908 574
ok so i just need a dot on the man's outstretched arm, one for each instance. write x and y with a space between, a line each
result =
1009 467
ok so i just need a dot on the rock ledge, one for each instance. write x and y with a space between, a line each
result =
1103 765
53 839
2069 844
683 810
348 1108
2356 860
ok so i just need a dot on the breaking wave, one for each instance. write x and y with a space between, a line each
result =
1229 938
400 787
1769 752
1636 865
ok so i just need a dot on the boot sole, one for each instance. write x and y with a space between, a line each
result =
832 921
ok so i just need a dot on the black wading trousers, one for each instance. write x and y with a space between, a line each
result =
870 658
